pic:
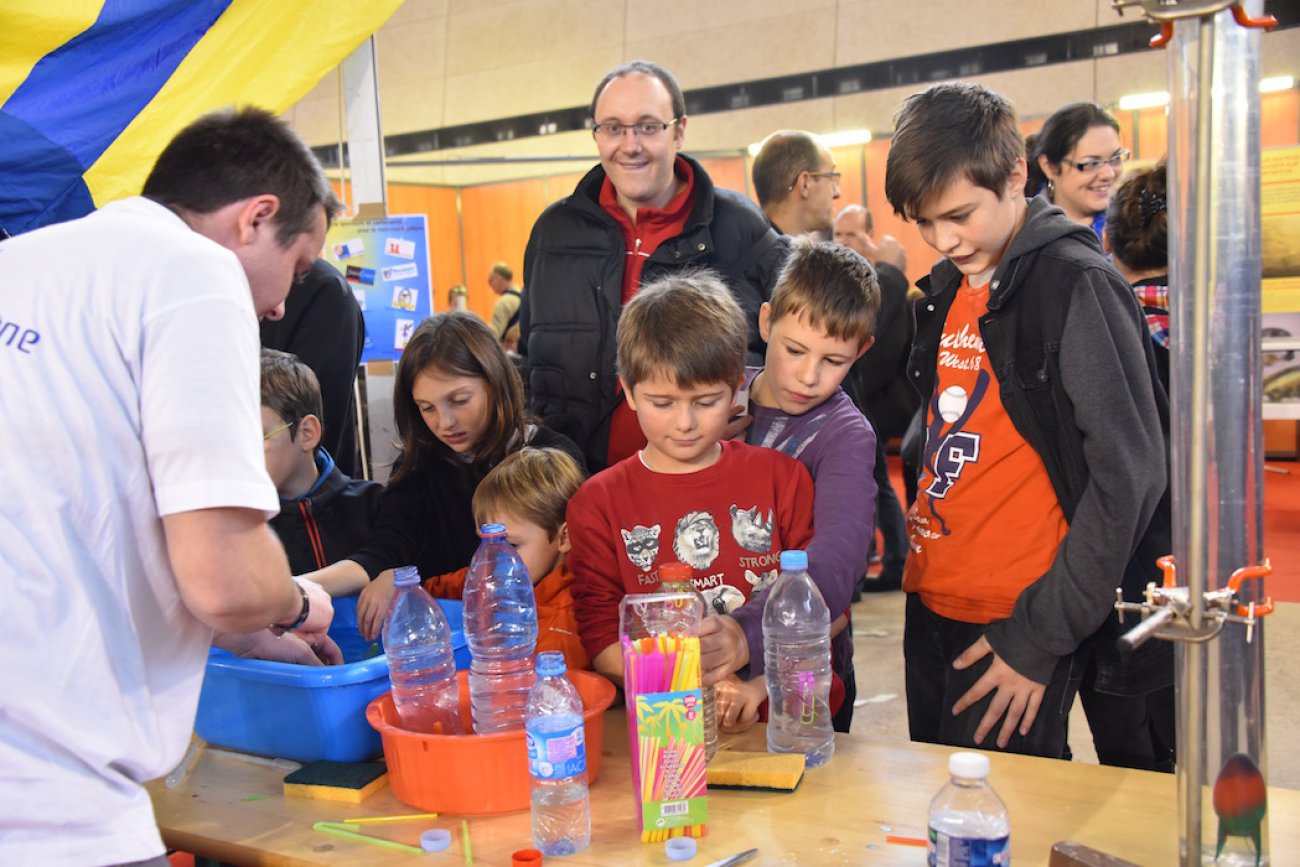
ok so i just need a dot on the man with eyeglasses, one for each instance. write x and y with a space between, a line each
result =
796 183
645 211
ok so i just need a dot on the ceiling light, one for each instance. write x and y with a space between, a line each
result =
1137 101
1276 83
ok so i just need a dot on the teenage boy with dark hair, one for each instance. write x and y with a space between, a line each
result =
1044 458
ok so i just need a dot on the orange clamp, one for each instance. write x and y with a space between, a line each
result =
1242 574
1161 39
1171 571
1265 22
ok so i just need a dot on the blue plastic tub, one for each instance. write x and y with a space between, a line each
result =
301 712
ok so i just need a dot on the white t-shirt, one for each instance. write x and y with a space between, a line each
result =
128 391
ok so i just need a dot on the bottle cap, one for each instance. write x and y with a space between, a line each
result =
679 848
550 662
492 530
970 766
672 572
794 561
435 840
405 576
526 858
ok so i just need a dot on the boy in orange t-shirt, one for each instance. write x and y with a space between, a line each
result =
528 492
1044 457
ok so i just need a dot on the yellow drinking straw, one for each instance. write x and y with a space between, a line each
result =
464 836
371 820
337 831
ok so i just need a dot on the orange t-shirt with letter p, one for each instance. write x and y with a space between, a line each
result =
986 522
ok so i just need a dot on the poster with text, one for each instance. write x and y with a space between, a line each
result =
386 262
1280 240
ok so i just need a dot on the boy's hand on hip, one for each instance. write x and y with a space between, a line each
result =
723 648
1015 697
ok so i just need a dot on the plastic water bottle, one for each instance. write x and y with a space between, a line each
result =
797 650
557 760
420 664
501 631
968 821
676 578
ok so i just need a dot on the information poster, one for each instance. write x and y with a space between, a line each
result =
1280 240
386 262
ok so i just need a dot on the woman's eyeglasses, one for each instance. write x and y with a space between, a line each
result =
1091 167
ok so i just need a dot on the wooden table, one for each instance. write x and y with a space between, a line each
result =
840 814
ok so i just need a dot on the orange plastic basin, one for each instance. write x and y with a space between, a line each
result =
476 774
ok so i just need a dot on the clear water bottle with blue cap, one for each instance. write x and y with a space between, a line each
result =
797 653
968 821
501 631
557 760
417 640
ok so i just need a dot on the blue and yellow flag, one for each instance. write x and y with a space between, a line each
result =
92 90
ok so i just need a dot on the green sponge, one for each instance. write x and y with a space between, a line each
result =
351 782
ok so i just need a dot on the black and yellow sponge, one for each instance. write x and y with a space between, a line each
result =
765 772
351 782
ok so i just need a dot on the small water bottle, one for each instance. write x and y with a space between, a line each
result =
676 578
968 821
797 651
557 760
501 631
417 640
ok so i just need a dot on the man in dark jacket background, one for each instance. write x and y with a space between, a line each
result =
646 210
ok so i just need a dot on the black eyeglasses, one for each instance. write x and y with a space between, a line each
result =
834 176
1091 167
644 129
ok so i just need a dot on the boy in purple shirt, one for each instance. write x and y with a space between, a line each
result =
819 321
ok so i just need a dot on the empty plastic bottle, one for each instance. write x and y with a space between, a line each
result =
501 631
968 821
797 652
676 578
420 664
557 760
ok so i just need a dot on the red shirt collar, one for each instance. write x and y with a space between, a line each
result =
674 213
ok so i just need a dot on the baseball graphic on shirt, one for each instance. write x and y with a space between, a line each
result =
952 403
641 546
696 540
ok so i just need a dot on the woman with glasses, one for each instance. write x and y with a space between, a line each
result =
1079 154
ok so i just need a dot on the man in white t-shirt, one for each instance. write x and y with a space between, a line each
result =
133 520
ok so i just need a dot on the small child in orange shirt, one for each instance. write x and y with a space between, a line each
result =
528 492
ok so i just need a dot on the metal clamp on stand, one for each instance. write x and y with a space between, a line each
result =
1166 609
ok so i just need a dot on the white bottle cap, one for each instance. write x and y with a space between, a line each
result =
970 766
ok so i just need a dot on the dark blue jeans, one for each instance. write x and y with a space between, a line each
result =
930 644
890 520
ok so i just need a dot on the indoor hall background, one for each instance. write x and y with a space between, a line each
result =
446 65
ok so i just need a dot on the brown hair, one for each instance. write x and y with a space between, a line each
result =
643 67
533 484
289 389
460 344
784 156
833 287
947 131
685 324
234 154
1137 222
502 270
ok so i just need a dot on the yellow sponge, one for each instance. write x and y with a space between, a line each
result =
351 782
771 772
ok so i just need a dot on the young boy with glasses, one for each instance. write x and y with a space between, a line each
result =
324 514
1044 460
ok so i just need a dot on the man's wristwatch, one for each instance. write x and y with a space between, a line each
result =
302 615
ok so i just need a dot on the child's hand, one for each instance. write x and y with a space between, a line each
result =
372 605
739 422
723 648
736 703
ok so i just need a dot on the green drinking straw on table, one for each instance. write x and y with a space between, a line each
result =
464 837
341 830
